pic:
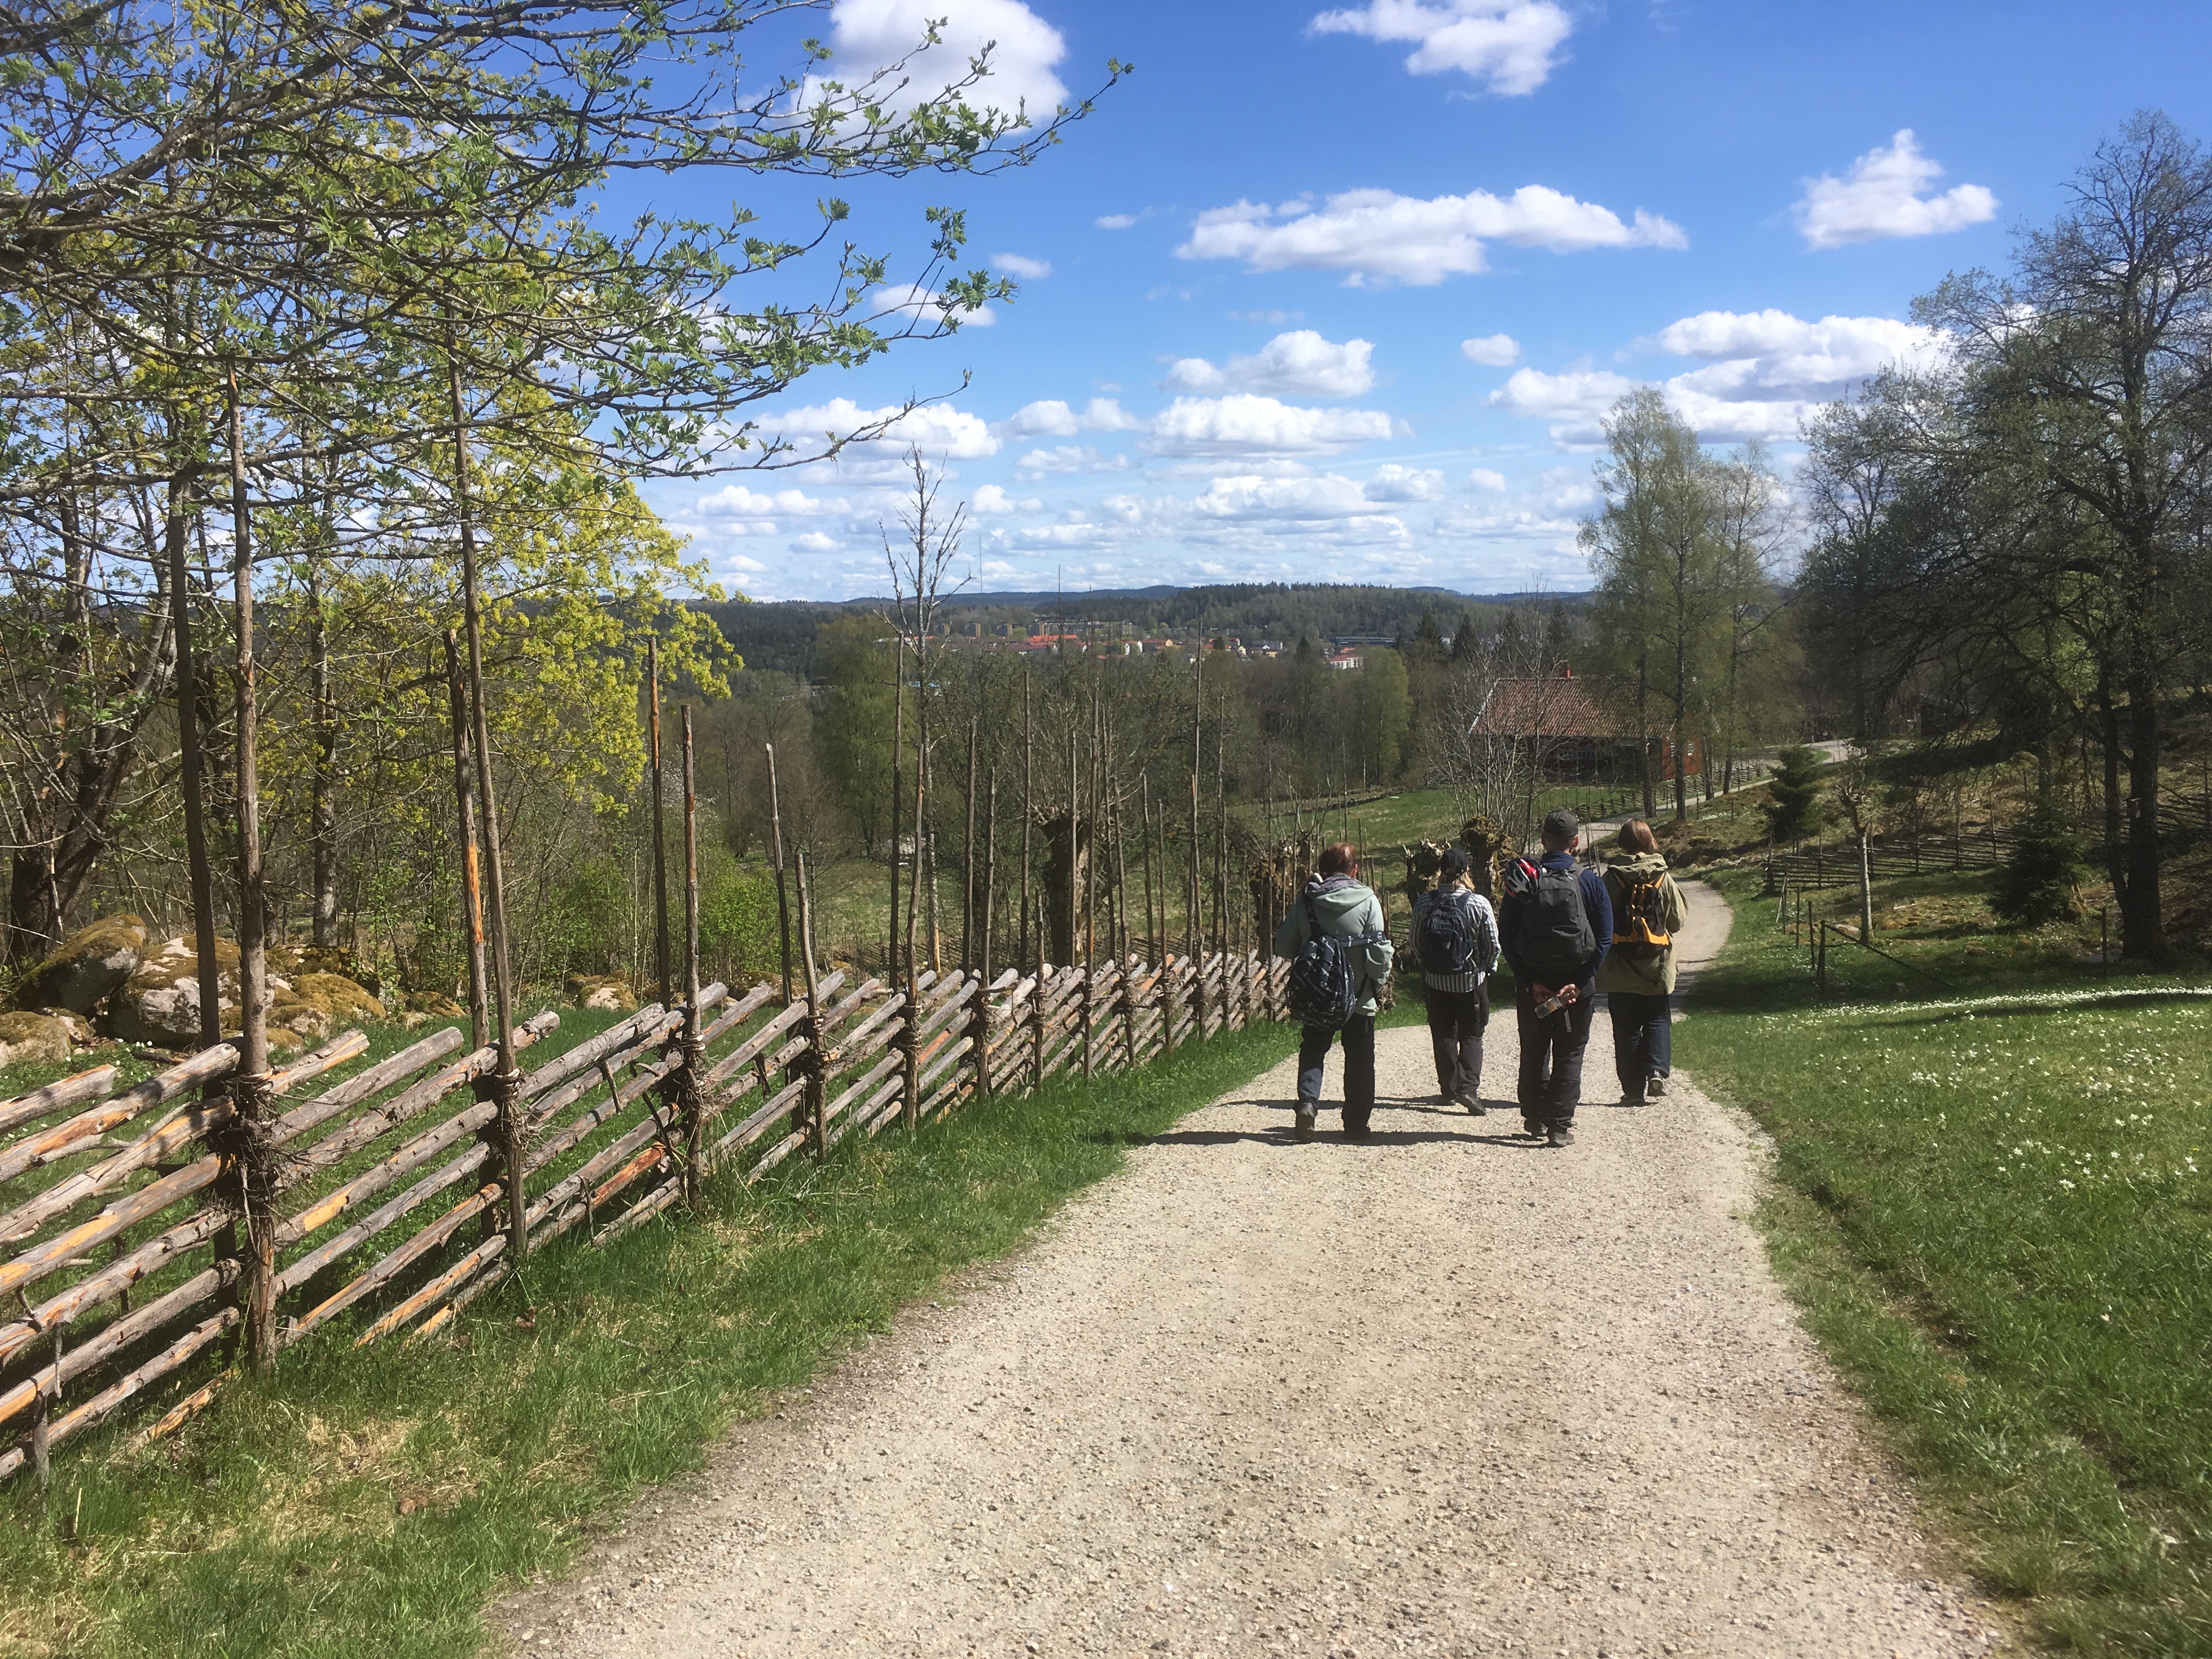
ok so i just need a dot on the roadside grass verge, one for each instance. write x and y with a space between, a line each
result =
371 1502
1993 1204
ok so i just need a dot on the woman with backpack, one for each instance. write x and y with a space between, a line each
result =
1638 975
1455 937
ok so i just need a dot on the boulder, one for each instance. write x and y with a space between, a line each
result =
87 968
609 991
435 1005
35 1037
315 1005
159 1005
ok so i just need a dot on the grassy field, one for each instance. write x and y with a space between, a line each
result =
1994 1206
371 1502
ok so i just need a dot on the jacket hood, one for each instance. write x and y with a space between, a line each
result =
1640 864
1338 896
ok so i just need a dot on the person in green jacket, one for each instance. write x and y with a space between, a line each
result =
1636 977
1344 909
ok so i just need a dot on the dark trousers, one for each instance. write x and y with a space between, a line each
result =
1552 1056
1642 1037
1456 1023
1358 1034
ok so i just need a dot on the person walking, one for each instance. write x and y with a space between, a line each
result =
1335 906
1556 927
1455 937
1638 975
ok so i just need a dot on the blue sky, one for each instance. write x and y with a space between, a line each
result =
1340 293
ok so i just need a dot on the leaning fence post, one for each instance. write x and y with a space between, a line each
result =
688 1100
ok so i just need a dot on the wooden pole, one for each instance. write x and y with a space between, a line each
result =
782 897
505 1134
254 1156
1121 941
898 794
200 872
1151 927
1196 921
986 1023
661 969
472 928
968 956
812 1061
1077 895
1029 816
695 1126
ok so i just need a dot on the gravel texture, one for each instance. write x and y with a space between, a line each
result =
1443 1392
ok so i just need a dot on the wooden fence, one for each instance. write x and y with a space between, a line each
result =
390 1200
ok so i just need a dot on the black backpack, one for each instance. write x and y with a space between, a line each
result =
1554 926
1324 986
1444 935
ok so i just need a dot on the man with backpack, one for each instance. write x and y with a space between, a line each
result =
1339 954
1556 926
1638 976
1455 936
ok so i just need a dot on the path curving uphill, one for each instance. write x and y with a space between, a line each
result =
1443 1392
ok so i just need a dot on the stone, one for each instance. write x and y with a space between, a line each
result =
609 991
159 1005
87 968
28 1037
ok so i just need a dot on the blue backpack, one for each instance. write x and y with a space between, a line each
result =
1324 988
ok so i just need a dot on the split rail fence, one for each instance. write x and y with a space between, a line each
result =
387 1202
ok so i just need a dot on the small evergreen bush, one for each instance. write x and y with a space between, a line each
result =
2040 880
1793 804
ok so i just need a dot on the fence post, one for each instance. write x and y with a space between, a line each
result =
688 1101
810 1063
1820 960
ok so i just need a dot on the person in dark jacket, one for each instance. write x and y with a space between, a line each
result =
1459 1003
1554 935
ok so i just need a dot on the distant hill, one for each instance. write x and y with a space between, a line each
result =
780 635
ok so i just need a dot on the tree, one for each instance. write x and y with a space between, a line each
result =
1793 807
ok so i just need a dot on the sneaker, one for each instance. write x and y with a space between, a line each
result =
1560 1135
1474 1108
1302 1130
1531 1128
1631 1097
1655 1088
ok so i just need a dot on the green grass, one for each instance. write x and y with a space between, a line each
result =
273 1524
1993 1204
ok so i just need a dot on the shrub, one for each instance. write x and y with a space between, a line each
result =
1793 804
2041 880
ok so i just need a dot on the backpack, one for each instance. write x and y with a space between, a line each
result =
1324 987
1443 933
1553 924
1640 920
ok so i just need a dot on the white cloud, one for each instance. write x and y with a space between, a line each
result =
1379 236
1244 423
1497 350
1116 220
1069 458
868 36
1275 319
1047 417
1483 478
1392 482
1510 46
940 430
927 306
1300 363
1882 196
992 500
813 541
1017 264
1104 415
738 501
1763 373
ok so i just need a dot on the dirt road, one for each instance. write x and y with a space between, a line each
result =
1443 1392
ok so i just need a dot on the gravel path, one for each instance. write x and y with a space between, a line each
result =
1444 1392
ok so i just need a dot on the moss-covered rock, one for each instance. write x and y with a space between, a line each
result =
600 991
160 1004
28 1036
87 968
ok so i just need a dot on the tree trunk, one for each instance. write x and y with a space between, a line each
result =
2142 925
323 789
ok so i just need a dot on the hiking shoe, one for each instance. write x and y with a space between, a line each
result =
1531 1128
1655 1088
1560 1135
1474 1108
1631 1097
1355 1128
1302 1128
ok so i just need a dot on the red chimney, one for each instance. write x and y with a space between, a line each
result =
1565 673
